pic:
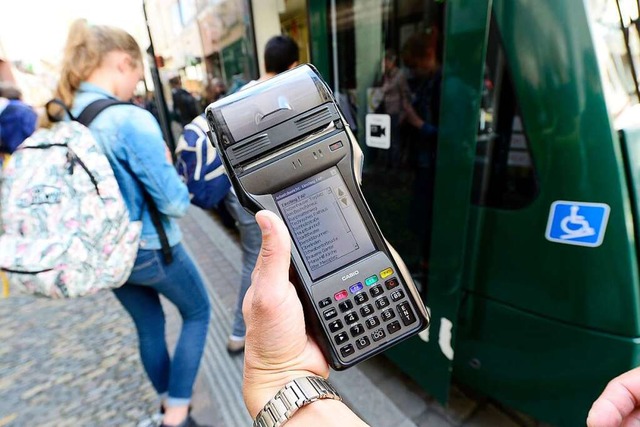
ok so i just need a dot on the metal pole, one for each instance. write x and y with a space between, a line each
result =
161 104
334 48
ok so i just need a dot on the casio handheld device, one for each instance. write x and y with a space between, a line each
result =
287 148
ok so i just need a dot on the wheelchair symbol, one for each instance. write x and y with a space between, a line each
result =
577 223
575 226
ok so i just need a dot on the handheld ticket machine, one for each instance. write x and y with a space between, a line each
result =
287 149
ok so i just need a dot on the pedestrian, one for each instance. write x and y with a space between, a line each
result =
17 119
213 90
105 62
185 106
281 53
278 348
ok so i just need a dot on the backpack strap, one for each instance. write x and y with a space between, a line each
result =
157 223
87 115
92 110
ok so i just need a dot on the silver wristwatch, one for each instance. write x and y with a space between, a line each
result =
293 396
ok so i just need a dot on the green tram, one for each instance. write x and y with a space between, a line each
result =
503 163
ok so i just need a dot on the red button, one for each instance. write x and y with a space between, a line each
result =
335 146
341 295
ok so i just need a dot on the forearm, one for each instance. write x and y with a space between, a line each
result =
325 413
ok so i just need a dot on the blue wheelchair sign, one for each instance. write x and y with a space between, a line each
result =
577 223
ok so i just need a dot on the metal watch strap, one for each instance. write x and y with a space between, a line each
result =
292 397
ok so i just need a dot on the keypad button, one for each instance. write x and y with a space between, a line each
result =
345 306
378 334
335 326
382 302
325 302
406 314
387 315
340 295
335 146
371 280
393 327
356 330
372 322
347 350
386 272
330 314
341 338
376 290
391 283
366 310
351 318
355 288
397 295
360 298
362 342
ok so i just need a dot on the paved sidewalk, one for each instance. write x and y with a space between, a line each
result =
70 364
76 363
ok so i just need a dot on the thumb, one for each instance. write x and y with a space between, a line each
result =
271 307
272 266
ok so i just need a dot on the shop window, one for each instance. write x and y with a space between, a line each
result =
615 28
504 173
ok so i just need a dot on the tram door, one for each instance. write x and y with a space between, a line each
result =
485 156
389 74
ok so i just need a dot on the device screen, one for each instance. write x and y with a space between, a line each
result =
324 222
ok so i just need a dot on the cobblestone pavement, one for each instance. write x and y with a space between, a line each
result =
70 364
75 363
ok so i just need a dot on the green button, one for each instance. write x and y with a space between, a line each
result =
371 280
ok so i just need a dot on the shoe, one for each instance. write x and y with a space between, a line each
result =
153 421
235 345
189 422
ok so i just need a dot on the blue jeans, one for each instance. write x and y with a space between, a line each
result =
250 239
181 284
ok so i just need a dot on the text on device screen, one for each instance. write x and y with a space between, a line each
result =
325 223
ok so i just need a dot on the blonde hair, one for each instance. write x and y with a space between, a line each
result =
84 51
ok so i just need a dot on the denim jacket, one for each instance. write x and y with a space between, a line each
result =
132 141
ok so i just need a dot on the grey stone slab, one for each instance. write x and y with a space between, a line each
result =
433 419
489 415
367 400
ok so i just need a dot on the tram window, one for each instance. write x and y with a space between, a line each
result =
504 173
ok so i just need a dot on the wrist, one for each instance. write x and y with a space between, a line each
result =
325 413
260 387
292 397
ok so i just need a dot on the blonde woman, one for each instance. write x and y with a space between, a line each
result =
105 62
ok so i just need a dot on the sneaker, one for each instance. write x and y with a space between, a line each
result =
235 345
189 422
153 421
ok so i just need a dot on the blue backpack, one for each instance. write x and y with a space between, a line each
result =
200 166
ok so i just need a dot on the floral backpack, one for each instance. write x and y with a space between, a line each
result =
66 230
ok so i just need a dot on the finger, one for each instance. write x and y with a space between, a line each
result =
271 274
632 420
275 252
617 401
604 413
271 308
